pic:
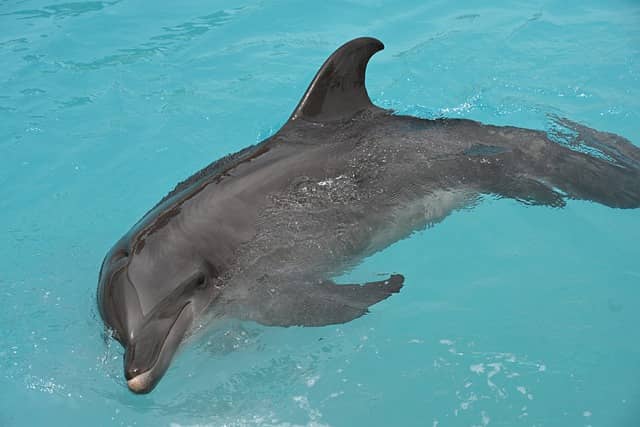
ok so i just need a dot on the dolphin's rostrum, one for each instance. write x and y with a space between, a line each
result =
258 235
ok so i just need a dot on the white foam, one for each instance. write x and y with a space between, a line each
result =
478 369
485 418
311 381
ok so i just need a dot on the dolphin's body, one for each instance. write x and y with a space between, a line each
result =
258 235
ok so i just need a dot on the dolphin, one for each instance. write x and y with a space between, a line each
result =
259 234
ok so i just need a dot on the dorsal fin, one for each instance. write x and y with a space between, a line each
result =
338 90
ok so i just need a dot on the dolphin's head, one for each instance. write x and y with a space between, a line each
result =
149 295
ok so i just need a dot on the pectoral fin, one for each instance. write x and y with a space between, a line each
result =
318 304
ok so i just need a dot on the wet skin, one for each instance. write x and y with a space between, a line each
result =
258 235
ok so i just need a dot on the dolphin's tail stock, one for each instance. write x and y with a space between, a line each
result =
591 165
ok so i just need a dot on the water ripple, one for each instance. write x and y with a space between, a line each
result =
161 44
62 10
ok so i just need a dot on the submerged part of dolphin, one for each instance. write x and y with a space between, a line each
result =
258 235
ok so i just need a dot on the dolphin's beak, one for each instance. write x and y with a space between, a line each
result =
149 354
142 383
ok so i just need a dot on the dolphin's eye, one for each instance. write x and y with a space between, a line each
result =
119 255
201 281
211 270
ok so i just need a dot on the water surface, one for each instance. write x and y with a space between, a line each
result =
511 315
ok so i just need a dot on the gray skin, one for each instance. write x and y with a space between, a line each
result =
258 235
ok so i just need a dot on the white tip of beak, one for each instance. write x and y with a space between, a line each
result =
140 383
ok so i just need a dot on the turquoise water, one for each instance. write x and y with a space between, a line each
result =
510 316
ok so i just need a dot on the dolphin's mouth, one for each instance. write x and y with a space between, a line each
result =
162 336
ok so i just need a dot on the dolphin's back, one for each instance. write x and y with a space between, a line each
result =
214 170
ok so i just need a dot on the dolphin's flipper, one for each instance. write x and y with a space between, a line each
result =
338 90
321 304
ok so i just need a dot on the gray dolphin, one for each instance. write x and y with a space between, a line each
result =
259 234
